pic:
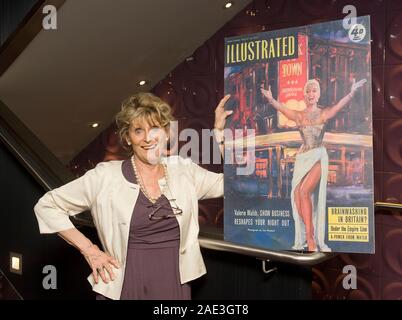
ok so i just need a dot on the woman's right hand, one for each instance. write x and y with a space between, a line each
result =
267 93
221 114
99 261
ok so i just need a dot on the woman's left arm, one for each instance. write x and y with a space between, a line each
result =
220 119
210 184
207 184
332 111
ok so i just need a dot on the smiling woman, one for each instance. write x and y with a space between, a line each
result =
145 209
143 126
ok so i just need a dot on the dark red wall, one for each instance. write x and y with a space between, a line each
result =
195 86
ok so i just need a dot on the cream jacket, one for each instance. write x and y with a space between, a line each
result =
111 199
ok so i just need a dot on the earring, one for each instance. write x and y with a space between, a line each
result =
129 143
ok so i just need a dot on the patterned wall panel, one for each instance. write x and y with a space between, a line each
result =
211 213
169 90
199 97
393 147
378 91
378 180
392 290
367 288
328 284
392 218
364 7
393 85
316 8
195 86
378 144
393 37
201 62
392 252
392 191
377 36
321 285
394 5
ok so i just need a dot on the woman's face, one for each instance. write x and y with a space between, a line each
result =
148 141
312 94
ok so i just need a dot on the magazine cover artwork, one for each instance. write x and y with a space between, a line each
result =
302 119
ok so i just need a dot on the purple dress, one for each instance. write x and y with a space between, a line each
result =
152 265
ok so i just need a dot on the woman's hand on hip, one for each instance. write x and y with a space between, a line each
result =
99 261
221 114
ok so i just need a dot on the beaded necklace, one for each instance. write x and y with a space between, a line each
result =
140 181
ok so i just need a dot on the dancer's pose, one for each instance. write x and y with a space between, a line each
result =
309 183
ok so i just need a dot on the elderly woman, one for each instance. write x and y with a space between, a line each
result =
311 165
145 209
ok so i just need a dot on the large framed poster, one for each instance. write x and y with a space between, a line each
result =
302 120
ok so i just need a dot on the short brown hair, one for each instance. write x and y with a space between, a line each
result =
145 106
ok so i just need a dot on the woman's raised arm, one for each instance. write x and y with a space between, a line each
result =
332 111
290 114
